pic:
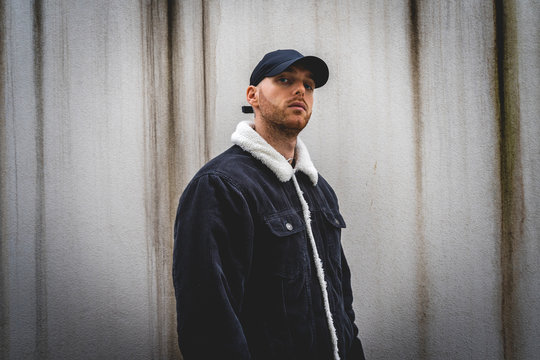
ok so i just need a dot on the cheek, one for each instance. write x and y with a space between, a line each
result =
269 97
309 101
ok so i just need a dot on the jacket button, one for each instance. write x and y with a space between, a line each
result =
289 226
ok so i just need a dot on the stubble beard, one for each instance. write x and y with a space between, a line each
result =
275 118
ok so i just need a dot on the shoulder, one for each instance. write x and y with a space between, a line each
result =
234 166
223 162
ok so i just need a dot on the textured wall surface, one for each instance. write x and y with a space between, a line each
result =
428 130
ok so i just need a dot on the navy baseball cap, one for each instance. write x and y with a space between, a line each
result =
276 62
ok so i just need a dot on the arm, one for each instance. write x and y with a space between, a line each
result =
211 260
356 351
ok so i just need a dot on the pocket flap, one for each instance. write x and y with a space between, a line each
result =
334 218
285 223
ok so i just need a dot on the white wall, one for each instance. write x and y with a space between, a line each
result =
427 129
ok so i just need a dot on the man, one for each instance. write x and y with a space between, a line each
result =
258 268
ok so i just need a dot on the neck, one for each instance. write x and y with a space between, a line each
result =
283 141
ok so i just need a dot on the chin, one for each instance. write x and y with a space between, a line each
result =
297 123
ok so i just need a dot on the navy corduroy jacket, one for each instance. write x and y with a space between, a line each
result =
243 270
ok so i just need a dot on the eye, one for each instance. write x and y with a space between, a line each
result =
283 80
308 86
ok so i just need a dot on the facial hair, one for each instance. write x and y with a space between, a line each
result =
275 118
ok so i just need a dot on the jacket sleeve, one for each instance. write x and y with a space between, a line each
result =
356 352
211 260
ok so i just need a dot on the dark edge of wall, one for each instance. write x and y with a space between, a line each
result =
511 178
4 256
40 246
421 272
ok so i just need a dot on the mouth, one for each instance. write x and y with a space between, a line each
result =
298 105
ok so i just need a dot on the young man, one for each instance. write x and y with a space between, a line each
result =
258 268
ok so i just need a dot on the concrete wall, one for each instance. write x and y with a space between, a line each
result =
428 129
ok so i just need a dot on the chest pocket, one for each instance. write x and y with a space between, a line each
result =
286 244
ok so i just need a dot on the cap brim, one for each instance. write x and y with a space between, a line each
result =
315 65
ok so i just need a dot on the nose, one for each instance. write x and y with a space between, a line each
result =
300 89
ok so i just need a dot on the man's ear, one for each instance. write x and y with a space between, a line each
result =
252 95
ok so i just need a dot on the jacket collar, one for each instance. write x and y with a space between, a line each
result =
249 140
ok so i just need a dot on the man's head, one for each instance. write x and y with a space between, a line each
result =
281 89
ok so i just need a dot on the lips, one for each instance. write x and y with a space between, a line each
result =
298 104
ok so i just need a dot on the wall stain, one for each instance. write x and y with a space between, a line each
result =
40 231
4 255
421 272
157 20
172 49
206 128
150 153
171 146
511 176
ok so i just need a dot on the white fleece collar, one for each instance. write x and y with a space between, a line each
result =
249 140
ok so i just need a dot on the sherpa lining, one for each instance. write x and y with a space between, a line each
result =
249 140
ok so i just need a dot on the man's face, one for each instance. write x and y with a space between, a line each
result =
285 101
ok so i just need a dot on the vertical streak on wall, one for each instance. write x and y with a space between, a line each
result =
205 25
152 194
40 248
157 19
422 276
511 178
4 299
172 49
172 41
147 113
